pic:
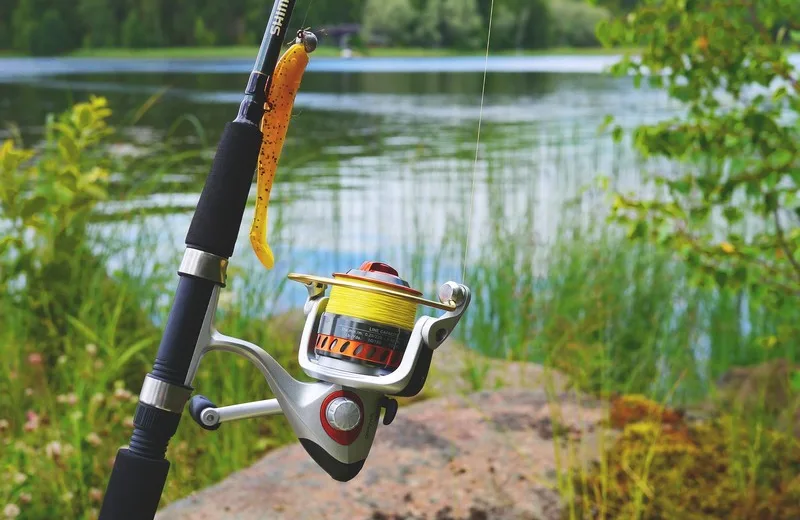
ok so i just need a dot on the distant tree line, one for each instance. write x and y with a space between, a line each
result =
42 27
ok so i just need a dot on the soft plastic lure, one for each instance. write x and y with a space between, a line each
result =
274 125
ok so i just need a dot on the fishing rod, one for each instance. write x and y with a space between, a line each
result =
361 344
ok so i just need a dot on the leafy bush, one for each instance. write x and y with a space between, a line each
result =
735 214
47 197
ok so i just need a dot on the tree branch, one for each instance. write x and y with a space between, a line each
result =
784 245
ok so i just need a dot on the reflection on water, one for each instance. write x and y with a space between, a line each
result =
381 154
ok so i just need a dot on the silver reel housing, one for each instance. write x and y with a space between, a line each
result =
335 418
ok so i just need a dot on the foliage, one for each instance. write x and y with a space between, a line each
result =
718 468
47 196
49 199
100 22
62 422
519 24
734 213
574 23
393 19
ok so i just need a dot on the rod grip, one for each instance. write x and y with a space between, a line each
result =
218 217
135 487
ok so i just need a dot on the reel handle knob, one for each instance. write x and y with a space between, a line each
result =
197 405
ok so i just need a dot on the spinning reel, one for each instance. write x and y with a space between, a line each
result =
361 345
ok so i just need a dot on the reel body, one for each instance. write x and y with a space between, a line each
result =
362 347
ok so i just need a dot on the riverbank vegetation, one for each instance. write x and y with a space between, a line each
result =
245 52
47 27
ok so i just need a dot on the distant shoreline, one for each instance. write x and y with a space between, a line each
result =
323 51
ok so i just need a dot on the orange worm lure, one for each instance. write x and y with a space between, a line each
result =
280 100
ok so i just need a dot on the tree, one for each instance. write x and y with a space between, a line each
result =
99 23
734 212
391 19
533 23
460 23
574 23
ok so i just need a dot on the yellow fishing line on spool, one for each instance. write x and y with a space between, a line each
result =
387 310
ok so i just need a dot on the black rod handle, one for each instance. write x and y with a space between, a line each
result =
218 217
140 471
135 487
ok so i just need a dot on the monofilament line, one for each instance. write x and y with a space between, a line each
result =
477 146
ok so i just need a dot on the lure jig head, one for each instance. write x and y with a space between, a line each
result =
359 357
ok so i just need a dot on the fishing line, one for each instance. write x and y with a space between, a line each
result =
305 17
477 146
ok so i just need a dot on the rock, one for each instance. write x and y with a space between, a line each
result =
763 389
766 386
485 455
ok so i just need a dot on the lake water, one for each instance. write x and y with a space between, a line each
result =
380 159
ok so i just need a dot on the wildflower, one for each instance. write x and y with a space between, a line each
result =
98 397
29 392
70 399
25 498
122 394
53 449
11 511
77 415
19 478
32 422
62 359
91 348
35 359
67 497
95 495
94 439
3 425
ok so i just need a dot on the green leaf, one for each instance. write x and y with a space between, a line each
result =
637 230
732 214
795 380
607 120
780 158
33 206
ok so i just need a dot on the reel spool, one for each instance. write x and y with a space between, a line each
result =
363 331
361 345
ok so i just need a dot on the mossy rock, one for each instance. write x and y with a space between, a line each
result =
762 391
723 468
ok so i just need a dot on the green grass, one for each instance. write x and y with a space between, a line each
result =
322 51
